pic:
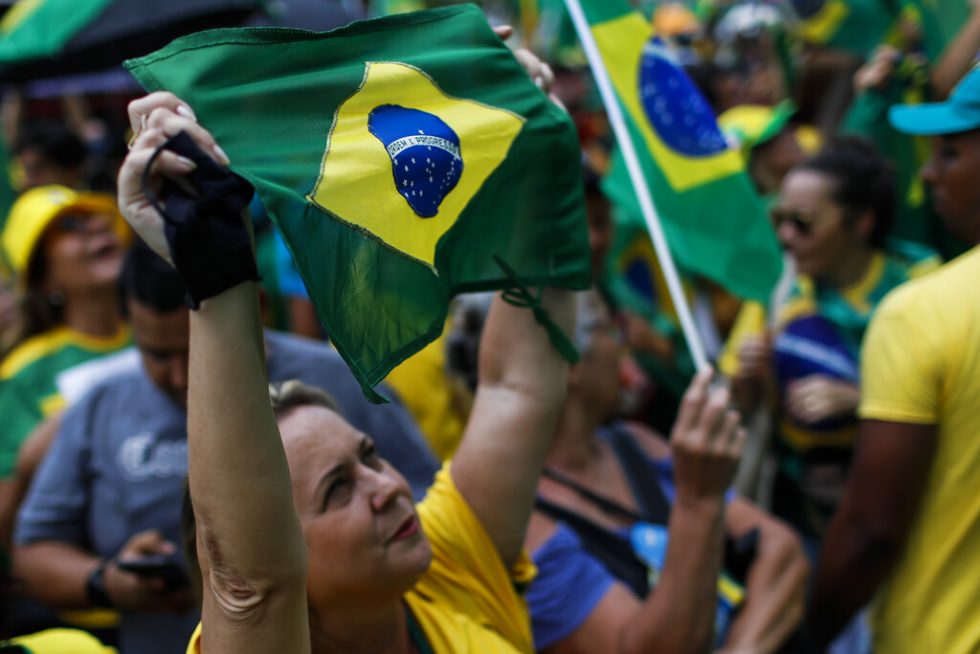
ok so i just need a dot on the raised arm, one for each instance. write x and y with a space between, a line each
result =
521 387
250 544
678 615
958 56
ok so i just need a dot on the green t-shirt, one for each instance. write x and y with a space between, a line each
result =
28 382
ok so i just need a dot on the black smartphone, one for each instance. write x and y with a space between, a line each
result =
159 566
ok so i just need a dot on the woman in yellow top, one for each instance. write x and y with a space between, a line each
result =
307 540
65 248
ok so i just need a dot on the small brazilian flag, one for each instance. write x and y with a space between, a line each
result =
712 217
405 159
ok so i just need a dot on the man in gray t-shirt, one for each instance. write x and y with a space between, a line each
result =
111 486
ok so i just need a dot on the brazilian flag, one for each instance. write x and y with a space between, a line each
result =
712 217
405 159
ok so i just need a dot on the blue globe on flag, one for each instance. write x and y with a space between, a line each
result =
426 159
677 111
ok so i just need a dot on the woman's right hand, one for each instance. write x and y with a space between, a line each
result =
706 443
154 119
131 592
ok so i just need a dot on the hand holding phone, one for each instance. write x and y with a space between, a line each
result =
159 566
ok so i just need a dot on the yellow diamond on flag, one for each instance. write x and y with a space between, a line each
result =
404 159
663 105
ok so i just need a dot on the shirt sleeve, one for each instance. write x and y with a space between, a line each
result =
569 585
466 570
901 364
55 507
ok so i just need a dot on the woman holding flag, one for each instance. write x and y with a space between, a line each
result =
308 541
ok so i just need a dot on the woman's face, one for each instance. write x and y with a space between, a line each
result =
811 226
364 539
81 253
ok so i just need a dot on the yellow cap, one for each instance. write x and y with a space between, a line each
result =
752 125
36 208
672 18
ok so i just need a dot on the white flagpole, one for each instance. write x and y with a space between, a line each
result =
647 207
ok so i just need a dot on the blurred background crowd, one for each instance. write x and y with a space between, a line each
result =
801 88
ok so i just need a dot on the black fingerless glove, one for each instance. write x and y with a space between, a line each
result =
202 211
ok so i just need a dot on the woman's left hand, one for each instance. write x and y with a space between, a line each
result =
154 119
818 397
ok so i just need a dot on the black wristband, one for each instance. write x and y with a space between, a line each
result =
95 588
203 222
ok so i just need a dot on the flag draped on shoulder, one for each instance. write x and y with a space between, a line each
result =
405 159
712 217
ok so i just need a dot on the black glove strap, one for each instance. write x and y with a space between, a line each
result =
202 212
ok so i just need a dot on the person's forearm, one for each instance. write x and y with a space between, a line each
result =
56 573
774 594
679 614
521 387
853 562
957 57
239 478
887 480
515 349
10 499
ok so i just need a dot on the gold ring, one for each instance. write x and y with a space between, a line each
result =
136 134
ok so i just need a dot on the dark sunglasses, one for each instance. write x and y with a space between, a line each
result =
72 223
802 221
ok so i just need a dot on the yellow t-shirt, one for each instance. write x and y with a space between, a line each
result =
467 601
62 641
921 365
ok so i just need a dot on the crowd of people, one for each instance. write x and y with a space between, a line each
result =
813 490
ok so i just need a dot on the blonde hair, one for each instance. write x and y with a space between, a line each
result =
291 394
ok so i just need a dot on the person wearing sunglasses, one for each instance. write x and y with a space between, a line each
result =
908 529
832 217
